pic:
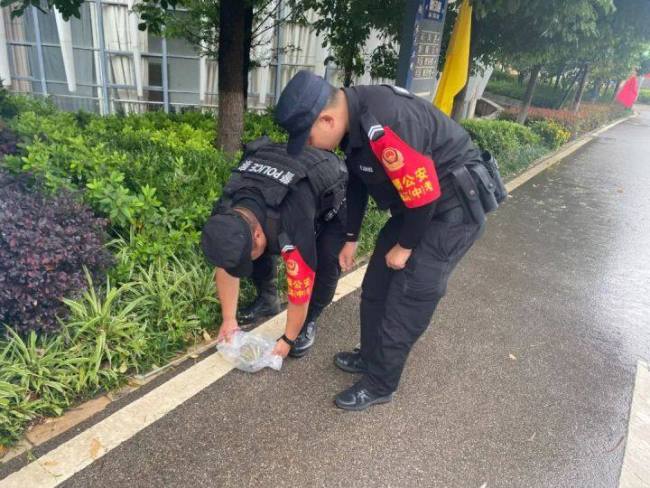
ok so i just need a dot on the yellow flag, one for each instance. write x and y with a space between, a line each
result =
454 75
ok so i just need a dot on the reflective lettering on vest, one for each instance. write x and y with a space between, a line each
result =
281 176
413 174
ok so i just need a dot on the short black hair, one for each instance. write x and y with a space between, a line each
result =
332 97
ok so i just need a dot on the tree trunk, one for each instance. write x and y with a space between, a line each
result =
568 91
618 85
231 58
558 76
520 77
347 74
581 88
595 92
530 91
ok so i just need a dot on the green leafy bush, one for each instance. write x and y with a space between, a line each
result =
500 136
8 106
552 134
513 145
644 96
8 141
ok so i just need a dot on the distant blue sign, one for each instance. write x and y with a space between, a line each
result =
420 47
435 9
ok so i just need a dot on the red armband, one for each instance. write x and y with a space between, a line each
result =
412 173
300 277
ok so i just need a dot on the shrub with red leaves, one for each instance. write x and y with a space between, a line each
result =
44 244
589 117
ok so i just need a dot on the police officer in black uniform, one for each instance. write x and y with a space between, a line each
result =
276 204
415 162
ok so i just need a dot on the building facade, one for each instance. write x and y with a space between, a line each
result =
102 63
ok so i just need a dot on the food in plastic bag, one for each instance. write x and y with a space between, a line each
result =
249 352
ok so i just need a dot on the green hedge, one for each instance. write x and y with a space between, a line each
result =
544 96
644 96
513 145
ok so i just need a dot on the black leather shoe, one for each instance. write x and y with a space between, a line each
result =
350 362
263 306
304 341
359 397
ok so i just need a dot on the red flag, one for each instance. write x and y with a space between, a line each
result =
629 93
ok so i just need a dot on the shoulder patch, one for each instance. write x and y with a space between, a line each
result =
400 91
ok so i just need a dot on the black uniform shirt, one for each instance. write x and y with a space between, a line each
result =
294 238
419 124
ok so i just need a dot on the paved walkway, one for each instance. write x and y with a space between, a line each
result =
524 379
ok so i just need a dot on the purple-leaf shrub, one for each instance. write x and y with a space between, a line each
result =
45 242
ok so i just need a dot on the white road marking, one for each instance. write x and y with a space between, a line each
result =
636 463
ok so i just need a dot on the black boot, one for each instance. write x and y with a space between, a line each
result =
265 305
359 397
350 362
305 340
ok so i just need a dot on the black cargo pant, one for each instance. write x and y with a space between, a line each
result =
397 306
330 237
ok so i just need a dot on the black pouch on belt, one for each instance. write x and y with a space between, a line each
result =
469 193
486 187
490 163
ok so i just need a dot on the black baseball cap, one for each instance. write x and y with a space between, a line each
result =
304 97
227 243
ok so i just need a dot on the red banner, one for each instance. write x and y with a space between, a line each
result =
629 93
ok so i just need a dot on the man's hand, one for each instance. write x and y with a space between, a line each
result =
281 348
227 329
397 257
346 256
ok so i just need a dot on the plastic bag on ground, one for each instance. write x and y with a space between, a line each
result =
250 352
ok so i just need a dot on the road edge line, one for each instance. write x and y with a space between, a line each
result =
635 472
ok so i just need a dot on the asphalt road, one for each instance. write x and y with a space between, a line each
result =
524 378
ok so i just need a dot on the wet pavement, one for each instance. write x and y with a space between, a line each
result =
524 378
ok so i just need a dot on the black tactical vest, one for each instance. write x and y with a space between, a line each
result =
268 169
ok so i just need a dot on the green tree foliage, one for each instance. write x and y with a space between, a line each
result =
346 25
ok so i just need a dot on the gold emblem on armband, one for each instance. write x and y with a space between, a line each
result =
392 159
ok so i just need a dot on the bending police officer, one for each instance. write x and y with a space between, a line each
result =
414 161
276 204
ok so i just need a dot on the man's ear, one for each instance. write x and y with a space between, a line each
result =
258 233
327 119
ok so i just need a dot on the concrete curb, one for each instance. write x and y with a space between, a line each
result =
53 427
